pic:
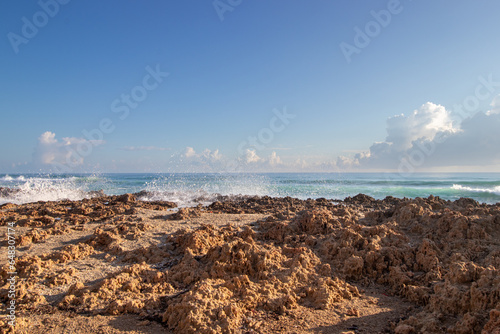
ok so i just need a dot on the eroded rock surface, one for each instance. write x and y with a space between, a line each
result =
444 257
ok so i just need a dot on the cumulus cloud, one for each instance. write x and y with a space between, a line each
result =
275 160
211 155
423 123
300 164
250 157
189 152
252 162
428 138
206 161
476 144
213 161
69 151
206 155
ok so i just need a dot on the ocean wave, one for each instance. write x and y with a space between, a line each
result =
181 198
189 190
42 189
494 190
194 189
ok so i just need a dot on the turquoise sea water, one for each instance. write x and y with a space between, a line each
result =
189 189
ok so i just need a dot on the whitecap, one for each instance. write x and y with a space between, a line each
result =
44 189
495 190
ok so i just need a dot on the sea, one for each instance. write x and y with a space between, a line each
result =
189 189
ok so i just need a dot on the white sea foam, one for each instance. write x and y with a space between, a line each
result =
181 198
191 192
494 190
193 189
42 189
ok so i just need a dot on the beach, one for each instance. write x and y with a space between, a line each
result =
243 167
250 264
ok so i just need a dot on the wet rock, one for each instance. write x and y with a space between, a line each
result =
125 198
360 199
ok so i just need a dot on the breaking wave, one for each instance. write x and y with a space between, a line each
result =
192 189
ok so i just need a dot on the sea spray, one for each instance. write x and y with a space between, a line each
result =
191 189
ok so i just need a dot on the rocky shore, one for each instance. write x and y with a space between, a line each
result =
116 264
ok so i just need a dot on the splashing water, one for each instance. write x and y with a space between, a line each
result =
191 189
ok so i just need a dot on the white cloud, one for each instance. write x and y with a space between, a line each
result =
189 152
47 138
69 151
300 164
427 138
477 144
347 162
250 161
211 155
192 161
251 156
423 123
206 155
213 160
275 160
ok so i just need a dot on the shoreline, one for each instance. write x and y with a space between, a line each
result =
206 199
256 264
187 188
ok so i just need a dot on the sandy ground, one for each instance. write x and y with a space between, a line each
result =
254 265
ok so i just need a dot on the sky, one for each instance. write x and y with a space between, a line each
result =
239 85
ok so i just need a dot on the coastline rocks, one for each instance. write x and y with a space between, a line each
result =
186 213
442 256
266 205
360 199
47 219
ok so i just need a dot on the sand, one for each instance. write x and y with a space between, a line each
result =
113 264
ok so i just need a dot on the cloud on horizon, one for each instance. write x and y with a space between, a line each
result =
207 155
251 161
213 161
69 151
428 138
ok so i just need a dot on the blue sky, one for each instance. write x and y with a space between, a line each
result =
229 78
